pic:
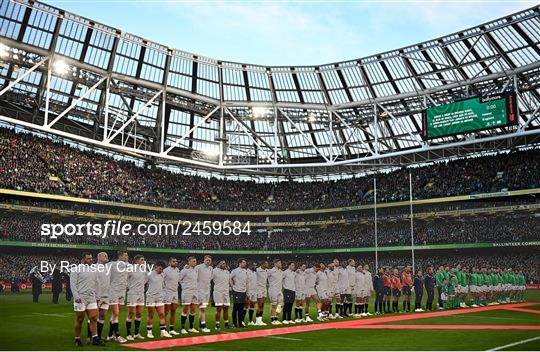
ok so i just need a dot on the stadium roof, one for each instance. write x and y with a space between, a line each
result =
73 77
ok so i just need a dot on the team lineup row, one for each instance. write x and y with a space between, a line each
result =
250 285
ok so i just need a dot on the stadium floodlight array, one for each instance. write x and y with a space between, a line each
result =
75 78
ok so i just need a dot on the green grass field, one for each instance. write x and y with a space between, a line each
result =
28 326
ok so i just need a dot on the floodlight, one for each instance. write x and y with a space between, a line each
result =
60 67
4 50
259 111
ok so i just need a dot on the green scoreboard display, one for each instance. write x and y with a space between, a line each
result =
470 115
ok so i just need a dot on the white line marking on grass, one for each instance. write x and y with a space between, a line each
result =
515 344
283 338
485 317
53 315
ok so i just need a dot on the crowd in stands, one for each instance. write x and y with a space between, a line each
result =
38 164
519 226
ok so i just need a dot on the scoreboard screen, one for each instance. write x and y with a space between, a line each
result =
470 115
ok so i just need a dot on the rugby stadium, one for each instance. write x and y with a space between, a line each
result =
156 199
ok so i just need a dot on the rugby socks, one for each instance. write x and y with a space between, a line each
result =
149 328
226 322
137 325
339 308
113 329
183 318
251 312
128 327
163 327
99 327
191 321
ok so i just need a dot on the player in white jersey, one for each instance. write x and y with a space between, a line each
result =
351 270
221 277
321 285
275 291
300 293
344 289
188 280
366 290
154 300
117 294
83 283
333 291
204 276
262 291
171 280
311 294
104 284
137 277
251 291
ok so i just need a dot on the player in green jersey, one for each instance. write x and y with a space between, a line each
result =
473 287
495 285
488 284
464 287
482 286
451 285
441 286
513 291
522 286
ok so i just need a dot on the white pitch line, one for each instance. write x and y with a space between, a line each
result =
486 317
283 338
515 344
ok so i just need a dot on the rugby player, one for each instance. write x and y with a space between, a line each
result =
344 288
251 291
359 304
104 283
368 288
135 295
204 274
262 291
275 291
188 281
154 300
441 286
321 286
83 283
117 294
171 281
331 272
222 300
311 294
351 271
300 287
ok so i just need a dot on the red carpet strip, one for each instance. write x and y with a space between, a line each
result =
348 324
